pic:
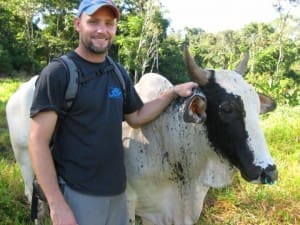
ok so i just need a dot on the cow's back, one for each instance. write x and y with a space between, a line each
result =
17 114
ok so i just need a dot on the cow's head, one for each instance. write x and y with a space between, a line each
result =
232 122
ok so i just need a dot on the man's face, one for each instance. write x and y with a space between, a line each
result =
96 32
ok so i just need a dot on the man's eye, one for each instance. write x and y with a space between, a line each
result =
92 22
110 23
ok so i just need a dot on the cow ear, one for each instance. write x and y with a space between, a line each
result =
194 110
267 104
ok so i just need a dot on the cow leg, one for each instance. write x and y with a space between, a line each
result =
131 203
131 212
23 160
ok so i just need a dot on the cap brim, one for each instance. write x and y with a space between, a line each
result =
92 9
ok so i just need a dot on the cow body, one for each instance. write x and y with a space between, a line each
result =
171 163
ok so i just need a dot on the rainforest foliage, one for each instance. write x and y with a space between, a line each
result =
35 31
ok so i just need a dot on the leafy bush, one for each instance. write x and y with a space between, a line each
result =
5 61
285 91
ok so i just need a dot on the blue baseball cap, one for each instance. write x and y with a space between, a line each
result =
91 6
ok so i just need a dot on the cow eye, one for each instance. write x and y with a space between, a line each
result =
226 107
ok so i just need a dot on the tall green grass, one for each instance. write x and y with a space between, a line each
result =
238 204
13 204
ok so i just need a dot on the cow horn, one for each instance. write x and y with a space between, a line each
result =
196 73
242 67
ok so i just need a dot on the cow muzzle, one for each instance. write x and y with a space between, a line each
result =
257 175
269 175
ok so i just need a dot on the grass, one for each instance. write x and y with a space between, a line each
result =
239 204
13 205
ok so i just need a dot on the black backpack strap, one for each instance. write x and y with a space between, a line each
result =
119 75
34 205
72 88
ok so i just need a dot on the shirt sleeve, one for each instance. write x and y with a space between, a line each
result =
133 101
49 90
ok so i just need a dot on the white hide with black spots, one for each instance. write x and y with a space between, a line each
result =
172 164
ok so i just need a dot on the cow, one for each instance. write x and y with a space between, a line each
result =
195 144
172 162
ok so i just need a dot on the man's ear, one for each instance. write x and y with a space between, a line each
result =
77 23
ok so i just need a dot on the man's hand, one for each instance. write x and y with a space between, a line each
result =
185 89
61 214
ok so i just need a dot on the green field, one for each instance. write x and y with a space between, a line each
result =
239 204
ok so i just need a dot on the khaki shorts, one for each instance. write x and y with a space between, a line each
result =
96 210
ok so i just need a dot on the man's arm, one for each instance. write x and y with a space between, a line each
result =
152 109
42 128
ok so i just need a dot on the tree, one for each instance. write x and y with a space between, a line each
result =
257 38
26 31
139 35
58 35
171 64
283 7
7 36
41 29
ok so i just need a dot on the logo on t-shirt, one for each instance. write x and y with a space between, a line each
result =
114 92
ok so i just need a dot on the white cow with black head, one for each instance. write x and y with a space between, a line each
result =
172 162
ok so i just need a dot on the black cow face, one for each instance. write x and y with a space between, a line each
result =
232 119
226 129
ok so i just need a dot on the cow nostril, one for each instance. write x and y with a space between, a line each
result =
268 180
269 175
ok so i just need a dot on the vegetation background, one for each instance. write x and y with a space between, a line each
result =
35 31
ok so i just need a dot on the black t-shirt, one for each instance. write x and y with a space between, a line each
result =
87 147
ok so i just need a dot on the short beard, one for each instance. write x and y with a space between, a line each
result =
97 51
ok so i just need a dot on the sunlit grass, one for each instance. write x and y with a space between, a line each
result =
13 205
8 86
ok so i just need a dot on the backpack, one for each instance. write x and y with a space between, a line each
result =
70 96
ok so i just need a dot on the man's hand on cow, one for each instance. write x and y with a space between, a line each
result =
185 89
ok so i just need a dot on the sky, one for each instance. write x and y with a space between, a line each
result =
218 15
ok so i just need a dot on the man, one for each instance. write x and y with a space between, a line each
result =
83 175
